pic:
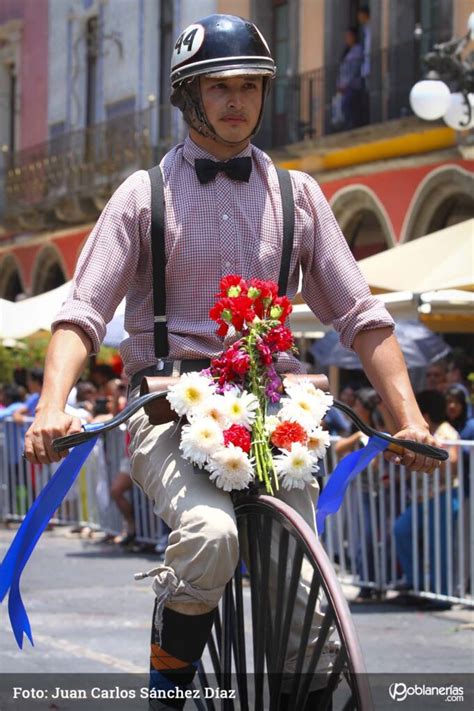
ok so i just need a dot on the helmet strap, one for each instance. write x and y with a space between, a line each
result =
187 97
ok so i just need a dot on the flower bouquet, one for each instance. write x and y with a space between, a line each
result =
230 431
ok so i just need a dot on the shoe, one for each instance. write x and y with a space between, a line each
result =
162 544
365 594
126 540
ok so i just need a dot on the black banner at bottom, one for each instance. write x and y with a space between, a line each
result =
130 692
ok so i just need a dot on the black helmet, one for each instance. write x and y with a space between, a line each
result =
217 45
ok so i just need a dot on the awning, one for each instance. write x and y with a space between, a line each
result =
419 345
22 318
441 260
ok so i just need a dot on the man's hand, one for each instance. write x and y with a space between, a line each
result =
415 462
48 425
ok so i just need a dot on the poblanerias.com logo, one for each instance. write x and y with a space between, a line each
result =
399 691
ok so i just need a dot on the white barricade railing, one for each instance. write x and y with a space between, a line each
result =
398 529
378 539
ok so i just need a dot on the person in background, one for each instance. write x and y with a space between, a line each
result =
458 370
435 376
457 410
347 394
366 403
86 395
363 18
121 485
34 383
13 400
433 406
349 82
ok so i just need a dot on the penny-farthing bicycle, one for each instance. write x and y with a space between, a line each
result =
249 648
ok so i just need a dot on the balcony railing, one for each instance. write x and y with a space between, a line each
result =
303 107
68 179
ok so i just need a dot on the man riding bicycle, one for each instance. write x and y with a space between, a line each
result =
223 215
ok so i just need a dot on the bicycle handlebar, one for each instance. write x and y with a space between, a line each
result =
396 445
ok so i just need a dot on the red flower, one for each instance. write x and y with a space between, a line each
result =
265 353
239 360
263 293
279 338
286 433
281 308
238 436
233 282
242 311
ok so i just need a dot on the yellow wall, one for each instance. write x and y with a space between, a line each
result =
311 49
234 7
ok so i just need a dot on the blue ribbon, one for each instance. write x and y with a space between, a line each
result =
27 536
335 488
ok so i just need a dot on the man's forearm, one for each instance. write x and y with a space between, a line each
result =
385 367
67 355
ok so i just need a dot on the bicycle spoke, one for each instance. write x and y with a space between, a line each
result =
257 618
264 537
290 605
323 635
308 620
214 653
203 680
226 644
240 657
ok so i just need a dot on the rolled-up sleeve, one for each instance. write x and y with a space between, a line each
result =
109 259
333 285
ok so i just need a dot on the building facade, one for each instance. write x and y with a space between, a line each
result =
84 102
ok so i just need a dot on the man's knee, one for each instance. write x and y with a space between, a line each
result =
211 538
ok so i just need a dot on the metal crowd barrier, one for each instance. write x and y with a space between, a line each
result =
401 530
394 528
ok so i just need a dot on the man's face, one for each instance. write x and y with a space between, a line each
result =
232 105
435 378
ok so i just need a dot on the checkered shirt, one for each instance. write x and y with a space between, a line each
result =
223 227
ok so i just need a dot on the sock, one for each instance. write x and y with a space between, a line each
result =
173 663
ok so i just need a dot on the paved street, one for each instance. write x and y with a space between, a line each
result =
88 614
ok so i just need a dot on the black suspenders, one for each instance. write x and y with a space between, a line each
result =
158 250
158 259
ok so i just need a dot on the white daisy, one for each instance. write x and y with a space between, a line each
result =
231 468
213 407
321 401
299 409
200 439
295 467
305 405
190 392
318 441
240 408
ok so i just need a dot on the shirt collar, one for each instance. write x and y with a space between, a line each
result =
191 151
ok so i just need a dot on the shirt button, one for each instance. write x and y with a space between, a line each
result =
228 265
225 217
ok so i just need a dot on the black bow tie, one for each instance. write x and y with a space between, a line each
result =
236 168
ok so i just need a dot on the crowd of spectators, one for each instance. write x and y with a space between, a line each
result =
445 399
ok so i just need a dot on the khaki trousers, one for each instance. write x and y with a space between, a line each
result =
203 548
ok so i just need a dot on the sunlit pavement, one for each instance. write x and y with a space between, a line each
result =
88 614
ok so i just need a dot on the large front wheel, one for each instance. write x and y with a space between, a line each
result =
288 632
